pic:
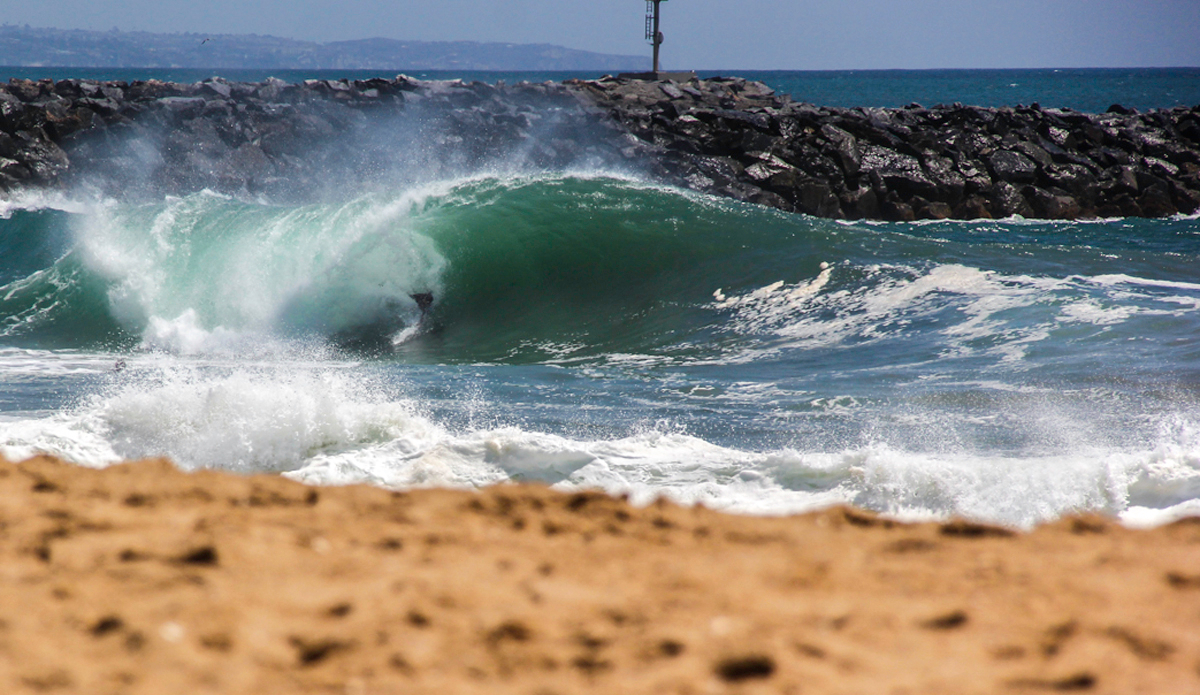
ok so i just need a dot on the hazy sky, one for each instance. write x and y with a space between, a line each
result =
703 34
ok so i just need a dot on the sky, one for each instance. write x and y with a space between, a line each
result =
702 34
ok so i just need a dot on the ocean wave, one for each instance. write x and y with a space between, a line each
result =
554 268
333 426
972 311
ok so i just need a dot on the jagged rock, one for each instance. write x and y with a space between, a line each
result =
973 208
1011 167
932 210
846 146
182 105
1071 177
860 203
1155 201
671 90
740 191
896 210
104 107
1048 205
25 90
725 136
13 171
950 184
817 198
1007 201
773 200
216 87
1119 181
1035 152
1190 128
8 146
721 170
1186 200
896 172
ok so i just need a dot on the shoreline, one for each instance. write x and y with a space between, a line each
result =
723 136
141 578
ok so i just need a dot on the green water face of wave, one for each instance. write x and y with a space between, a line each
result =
516 267
599 266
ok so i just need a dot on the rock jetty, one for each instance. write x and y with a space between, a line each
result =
725 136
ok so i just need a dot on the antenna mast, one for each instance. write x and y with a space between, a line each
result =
653 35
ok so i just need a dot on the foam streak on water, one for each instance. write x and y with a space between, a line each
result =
338 426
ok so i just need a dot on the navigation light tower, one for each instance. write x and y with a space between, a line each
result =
653 34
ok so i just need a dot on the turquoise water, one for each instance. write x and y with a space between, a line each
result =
592 329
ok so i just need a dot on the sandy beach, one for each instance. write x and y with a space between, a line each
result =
144 579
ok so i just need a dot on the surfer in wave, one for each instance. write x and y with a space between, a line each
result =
424 300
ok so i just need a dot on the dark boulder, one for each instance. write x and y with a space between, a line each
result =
1011 167
740 191
931 209
1035 152
215 87
1051 205
1007 201
950 184
1186 200
1071 177
817 198
1123 205
894 171
894 209
973 208
65 122
25 90
845 146
860 203
1155 201
723 136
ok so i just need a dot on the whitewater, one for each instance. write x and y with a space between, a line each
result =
593 329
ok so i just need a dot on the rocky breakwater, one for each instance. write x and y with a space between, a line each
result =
724 136
737 138
285 140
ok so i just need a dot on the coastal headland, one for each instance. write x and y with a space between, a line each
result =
141 578
724 136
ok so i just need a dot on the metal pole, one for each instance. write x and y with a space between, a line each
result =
658 37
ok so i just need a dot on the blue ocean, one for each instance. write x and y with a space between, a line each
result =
593 329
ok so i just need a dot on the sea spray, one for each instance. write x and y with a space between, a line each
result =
222 265
592 330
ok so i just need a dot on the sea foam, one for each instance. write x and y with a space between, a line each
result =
341 426
576 341
194 273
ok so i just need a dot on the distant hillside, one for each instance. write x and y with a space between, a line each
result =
25 46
